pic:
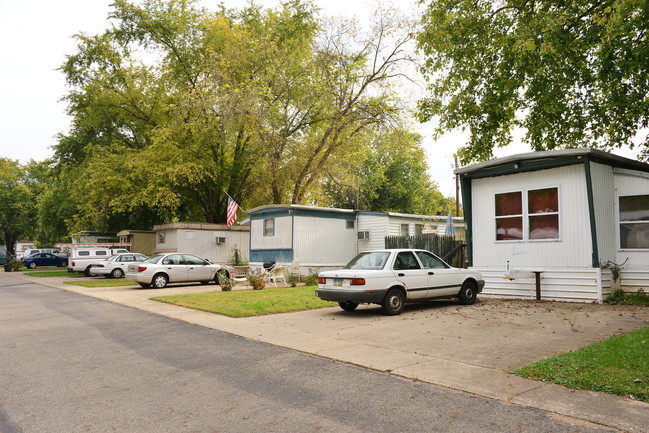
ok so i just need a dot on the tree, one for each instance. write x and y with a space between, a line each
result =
257 103
392 177
17 204
571 74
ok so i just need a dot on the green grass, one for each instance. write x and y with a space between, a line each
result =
248 303
105 282
50 273
619 365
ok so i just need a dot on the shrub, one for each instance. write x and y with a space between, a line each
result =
256 279
16 265
225 282
293 278
312 278
622 298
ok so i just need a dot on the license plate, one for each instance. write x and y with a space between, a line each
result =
338 282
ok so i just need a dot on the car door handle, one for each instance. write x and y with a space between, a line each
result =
401 275
431 273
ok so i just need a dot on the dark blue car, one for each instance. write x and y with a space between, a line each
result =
44 259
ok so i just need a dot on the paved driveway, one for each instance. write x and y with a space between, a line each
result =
469 348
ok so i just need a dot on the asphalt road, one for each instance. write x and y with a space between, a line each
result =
70 363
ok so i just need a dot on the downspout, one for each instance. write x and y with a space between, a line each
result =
591 212
465 182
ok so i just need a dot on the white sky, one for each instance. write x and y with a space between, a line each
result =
37 34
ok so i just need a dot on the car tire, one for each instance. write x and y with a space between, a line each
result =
160 281
64 263
145 285
117 273
468 293
32 265
204 282
393 302
88 273
348 306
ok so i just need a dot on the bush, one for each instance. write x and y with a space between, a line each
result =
312 278
293 278
16 265
225 282
619 297
256 279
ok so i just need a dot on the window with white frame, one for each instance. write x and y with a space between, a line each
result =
634 222
527 215
269 227
350 224
405 229
161 237
419 229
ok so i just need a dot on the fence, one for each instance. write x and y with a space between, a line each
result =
448 248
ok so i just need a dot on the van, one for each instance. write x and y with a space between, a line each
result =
29 251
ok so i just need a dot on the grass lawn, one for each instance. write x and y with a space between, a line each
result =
105 282
248 303
50 273
619 365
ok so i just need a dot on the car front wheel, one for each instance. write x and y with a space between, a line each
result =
348 306
145 285
393 302
468 293
160 281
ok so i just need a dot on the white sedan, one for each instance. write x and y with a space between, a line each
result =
115 266
162 269
391 278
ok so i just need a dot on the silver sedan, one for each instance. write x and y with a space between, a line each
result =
162 269
115 266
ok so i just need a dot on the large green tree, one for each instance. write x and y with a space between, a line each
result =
17 203
570 73
174 106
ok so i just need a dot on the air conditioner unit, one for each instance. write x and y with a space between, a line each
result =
363 235
220 239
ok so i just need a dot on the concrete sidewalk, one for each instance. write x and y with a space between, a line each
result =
468 349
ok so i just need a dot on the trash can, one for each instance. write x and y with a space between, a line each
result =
8 267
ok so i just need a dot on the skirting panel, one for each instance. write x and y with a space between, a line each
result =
570 285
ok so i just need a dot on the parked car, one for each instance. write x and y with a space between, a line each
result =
44 259
391 278
5 257
162 269
115 266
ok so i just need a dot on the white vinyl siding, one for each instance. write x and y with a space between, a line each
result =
283 238
323 241
573 250
378 227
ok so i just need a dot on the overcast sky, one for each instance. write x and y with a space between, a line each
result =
37 34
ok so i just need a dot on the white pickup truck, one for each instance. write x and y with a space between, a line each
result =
82 258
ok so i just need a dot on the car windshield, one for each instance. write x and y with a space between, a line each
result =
153 259
369 260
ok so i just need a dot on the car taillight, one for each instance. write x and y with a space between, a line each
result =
358 282
322 280
97 266
141 268
73 264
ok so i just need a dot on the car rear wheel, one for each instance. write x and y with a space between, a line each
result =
32 265
393 302
468 293
160 281
117 273
88 273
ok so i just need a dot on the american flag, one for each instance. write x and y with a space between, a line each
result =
232 211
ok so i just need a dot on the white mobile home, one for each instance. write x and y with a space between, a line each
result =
568 216
315 237
327 238
215 242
